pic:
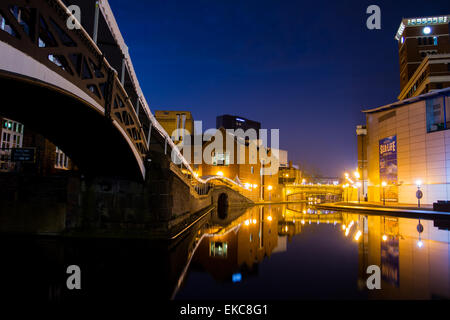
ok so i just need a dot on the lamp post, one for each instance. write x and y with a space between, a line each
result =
345 189
419 193
358 184
384 184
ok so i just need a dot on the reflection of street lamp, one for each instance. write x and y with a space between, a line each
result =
270 189
420 230
384 237
384 184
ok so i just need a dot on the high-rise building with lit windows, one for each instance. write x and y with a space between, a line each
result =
424 55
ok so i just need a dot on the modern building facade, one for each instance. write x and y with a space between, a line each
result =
408 143
424 55
227 162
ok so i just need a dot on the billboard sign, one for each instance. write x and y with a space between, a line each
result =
23 154
388 159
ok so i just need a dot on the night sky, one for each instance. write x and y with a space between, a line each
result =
307 68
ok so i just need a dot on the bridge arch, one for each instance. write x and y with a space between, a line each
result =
62 86
222 205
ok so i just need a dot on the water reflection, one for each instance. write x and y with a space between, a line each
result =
271 252
298 252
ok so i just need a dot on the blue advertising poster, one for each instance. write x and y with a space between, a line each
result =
389 261
388 159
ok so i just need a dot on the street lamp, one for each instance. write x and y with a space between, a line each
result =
419 193
345 189
384 184
270 189
358 184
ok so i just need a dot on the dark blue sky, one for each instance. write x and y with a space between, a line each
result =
305 67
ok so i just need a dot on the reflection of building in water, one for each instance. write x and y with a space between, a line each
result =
413 265
238 248
297 216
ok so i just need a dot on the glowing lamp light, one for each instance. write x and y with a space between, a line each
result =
358 184
269 218
384 237
247 185
220 173
303 221
196 174
358 235
269 188
357 175
344 227
347 230
236 277
418 183
255 186
384 184
426 30
254 221
420 243
247 222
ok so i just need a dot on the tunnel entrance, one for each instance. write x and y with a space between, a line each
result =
222 206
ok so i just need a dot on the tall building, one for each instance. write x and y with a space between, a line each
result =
227 121
173 120
407 147
424 55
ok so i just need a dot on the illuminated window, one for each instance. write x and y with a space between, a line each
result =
218 249
61 159
221 158
435 114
